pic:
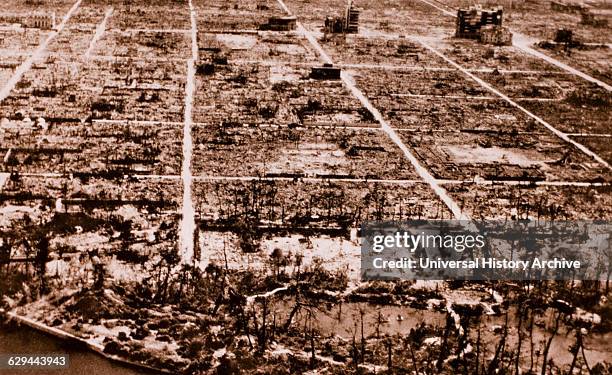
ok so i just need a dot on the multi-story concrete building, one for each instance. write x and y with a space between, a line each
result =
471 20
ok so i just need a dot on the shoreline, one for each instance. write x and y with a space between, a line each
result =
12 317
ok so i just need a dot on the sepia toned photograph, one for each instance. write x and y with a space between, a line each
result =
224 187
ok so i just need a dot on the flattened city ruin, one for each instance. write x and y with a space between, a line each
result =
183 182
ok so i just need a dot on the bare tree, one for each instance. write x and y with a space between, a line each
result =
549 342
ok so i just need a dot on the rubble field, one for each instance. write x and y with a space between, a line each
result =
321 204
90 148
298 152
503 157
564 203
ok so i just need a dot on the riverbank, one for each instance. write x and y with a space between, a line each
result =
11 318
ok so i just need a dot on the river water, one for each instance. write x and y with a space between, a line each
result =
21 340
82 361
345 322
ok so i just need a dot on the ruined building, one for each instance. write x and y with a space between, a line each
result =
470 21
484 25
325 72
596 17
41 21
567 6
351 19
564 36
334 25
286 23
496 35
34 20
348 24
262 5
